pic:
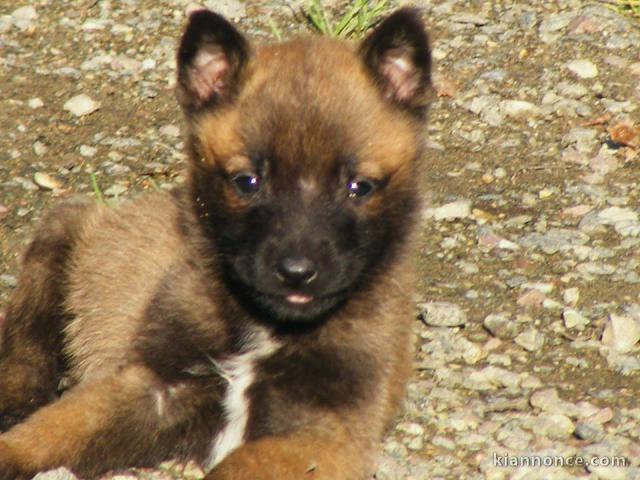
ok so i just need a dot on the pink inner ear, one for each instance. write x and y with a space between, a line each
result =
207 72
400 74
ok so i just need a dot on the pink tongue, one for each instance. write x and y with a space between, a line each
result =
299 298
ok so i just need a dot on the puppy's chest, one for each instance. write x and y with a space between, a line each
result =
239 372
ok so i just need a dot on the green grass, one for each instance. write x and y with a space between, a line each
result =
96 189
626 7
359 17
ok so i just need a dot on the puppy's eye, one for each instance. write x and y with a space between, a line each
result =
360 188
246 183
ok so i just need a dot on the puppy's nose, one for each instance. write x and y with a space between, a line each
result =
296 270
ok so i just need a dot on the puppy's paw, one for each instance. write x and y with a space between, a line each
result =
9 469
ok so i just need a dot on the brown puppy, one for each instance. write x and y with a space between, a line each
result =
257 321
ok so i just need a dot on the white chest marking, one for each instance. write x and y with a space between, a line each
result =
239 372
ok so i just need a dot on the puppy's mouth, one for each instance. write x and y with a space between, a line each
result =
298 306
299 298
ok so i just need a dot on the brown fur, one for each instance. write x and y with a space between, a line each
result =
135 308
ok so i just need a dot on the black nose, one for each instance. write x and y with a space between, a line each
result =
296 271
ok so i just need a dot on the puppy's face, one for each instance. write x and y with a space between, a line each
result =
304 157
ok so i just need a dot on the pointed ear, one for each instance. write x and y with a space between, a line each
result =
211 59
398 56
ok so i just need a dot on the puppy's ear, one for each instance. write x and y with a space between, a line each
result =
398 56
211 59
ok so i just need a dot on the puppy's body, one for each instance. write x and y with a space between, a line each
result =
256 321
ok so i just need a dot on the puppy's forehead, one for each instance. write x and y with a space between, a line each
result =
310 103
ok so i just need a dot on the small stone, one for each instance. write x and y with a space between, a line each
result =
443 314
443 442
87 151
58 474
589 269
416 444
491 377
148 64
573 319
613 215
39 148
35 103
571 296
115 190
8 281
453 210
592 432
500 326
4 211
46 181
531 298
500 173
234 9
94 25
81 105
487 178
545 193
520 109
193 471
550 304
553 23
553 426
531 340
170 131
621 333
583 68
24 17
471 18
577 211
410 428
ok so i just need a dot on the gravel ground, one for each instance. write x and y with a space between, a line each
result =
529 296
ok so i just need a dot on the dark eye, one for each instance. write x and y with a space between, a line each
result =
246 183
359 188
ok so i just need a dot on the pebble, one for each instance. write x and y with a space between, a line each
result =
553 426
443 314
591 432
24 18
583 69
8 281
170 131
39 148
452 211
410 428
621 333
571 296
46 181
81 105
58 474
500 326
233 9
549 401
115 190
531 298
87 151
471 18
34 103
554 240
573 319
520 109
531 340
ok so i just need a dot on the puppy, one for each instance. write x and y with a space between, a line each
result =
257 320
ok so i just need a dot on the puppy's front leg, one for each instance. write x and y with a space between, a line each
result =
327 452
128 419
